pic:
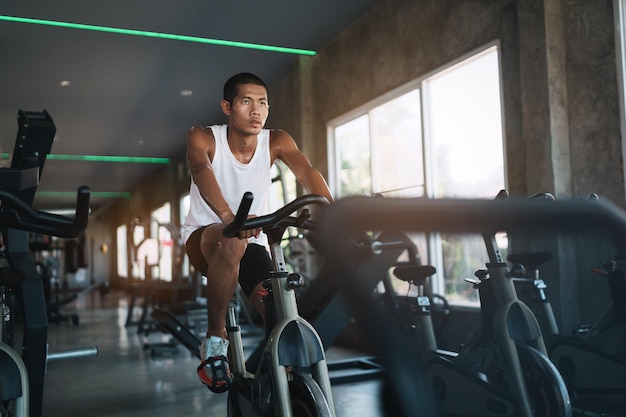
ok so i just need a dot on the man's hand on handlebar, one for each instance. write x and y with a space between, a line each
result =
280 218
243 234
246 234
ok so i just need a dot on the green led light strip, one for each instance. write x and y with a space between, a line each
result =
94 194
108 158
158 35
102 158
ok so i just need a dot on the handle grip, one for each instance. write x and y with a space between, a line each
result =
236 226
18 215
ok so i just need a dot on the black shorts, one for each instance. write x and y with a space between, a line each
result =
254 267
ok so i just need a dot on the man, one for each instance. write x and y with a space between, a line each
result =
226 161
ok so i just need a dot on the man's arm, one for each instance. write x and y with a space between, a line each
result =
200 148
284 147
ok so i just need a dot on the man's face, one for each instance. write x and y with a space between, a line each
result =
249 110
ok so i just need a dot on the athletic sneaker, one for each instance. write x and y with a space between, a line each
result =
214 371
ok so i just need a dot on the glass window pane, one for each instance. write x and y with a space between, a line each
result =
397 166
283 188
122 252
352 141
465 135
465 128
159 225
184 209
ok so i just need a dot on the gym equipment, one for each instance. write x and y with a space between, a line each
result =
471 382
292 377
14 396
514 334
609 331
596 379
593 369
19 278
419 324
321 304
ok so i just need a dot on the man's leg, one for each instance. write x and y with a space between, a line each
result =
223 256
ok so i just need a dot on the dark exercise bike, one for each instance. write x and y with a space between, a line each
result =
291 378
504 370
595 378
592 367
22 369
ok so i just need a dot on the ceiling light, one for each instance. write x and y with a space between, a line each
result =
95 194
65 83
109 158
186 93
158 35
101 158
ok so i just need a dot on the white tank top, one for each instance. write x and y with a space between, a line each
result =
234 179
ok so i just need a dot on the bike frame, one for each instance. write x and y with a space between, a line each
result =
291 341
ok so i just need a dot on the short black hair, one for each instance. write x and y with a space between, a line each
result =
231 87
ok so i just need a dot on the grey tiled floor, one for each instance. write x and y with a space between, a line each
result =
125 380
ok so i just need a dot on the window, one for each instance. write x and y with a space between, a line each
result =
163 235
184 209
283 188
436 137
137 236
122 251
620 32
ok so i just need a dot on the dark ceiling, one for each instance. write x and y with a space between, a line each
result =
124 97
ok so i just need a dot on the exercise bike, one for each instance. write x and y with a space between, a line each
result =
593 369
504 370
291 378
21 378
22 374
596 379
14 396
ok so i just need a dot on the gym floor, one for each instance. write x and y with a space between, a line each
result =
124 379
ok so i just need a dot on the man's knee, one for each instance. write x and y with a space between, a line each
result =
216 247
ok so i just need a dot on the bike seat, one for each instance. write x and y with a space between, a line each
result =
416 274
530 260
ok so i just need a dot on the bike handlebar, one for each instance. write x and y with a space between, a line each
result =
472 216
281 217
18 215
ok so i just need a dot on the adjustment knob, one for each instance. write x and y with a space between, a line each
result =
295 281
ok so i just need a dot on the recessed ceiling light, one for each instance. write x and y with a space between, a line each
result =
186 93
65 83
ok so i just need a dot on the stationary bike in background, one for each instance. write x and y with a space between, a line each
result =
609 331
421 313
593 366
291 379
506 351
503 371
